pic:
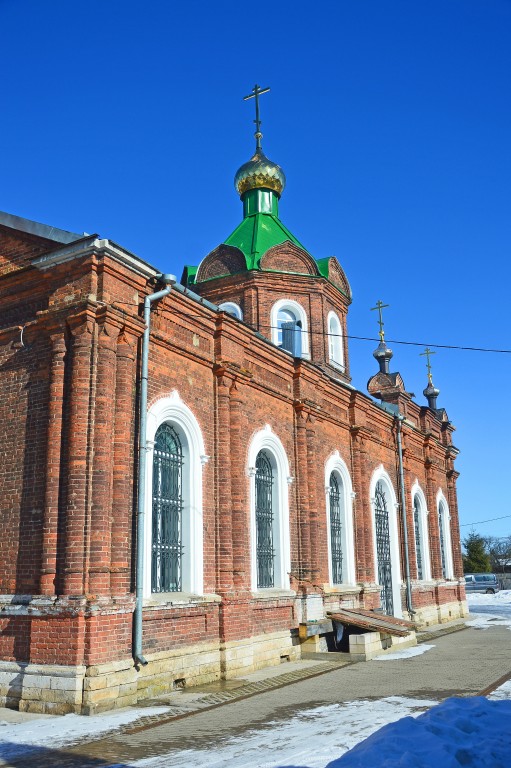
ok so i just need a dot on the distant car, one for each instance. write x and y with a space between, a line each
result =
481 582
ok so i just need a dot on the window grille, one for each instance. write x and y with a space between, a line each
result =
418 540
381 519
167 506
264 521
336 528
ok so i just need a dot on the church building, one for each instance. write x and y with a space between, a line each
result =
189 482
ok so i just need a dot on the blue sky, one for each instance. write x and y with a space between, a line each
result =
391 119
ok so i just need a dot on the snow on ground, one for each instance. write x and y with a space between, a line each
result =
504 596
503 692
456 733
60 731
406 653
490 610
311 738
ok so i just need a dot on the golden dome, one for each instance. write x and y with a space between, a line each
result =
260 173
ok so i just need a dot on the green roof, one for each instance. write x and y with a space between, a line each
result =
257 234
323 266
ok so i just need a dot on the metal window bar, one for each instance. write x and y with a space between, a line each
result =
336 519
264 522
167 507
442 542
381 519
418 540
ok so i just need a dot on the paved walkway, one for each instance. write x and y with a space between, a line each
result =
464 663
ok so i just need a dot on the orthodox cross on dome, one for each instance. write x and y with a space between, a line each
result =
379 306
256 92
427 353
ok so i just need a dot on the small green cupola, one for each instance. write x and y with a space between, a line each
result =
259 183
261 242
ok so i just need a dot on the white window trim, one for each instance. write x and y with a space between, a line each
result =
172 410
381 475
336 464
232 309
266 440
335 342
301 315
441 503
423 523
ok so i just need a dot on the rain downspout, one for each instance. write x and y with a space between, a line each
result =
169 281
399 419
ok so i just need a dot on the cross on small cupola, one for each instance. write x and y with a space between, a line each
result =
259 173
379 306
256 92
431 392
382 353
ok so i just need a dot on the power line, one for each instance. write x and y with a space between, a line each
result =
357 338
491 520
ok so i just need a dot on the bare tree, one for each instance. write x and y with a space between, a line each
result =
499 550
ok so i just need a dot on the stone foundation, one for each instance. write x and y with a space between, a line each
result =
430 615
370 644
60 690
48 688
241 657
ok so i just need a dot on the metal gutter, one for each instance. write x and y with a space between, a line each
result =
393 410
399 419
169 281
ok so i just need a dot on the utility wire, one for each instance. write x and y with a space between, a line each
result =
491 520
160 311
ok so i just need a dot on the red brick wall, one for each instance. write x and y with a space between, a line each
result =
68 426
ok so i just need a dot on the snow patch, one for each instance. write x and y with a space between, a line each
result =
457 732
60 731
406 653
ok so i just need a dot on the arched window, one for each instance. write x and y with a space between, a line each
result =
420 528
174 525
269 507
167 507
419 555
444 533
339 501
232 309
386 542
289 327
289 332
336 527
381 519
264 521
335 341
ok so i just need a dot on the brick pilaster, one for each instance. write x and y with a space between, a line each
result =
101 513
53 457
304 542
364 560
312 470
240 520
223 473
452 498
122 496
77 481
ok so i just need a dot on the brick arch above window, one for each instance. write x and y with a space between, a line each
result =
288 257
223 260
